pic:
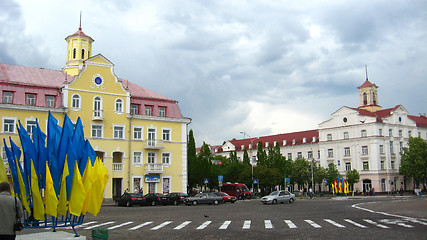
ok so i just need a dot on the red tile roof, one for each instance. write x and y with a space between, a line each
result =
80 33
140 92
421 120
367 84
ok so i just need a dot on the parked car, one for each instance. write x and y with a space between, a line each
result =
176 198
278 197
227 198
154 199
238 190
205 197
130 199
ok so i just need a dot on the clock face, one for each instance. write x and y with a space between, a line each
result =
98 80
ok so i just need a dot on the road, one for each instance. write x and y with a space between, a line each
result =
346 218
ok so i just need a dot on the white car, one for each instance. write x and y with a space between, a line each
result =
278 197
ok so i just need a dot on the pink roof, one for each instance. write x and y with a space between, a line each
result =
140 92
367 84
80 33
279 138
421 120
30 76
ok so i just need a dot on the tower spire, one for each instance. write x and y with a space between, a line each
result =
80 26
366 69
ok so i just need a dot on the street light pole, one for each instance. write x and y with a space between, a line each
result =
312 175
251 157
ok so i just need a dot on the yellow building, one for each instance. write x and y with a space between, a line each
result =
140 135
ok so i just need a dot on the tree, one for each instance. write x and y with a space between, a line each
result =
261 155
191 160
352 178
413 163
246 159
301 171
332 173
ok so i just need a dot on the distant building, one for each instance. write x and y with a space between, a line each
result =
368 139
140 135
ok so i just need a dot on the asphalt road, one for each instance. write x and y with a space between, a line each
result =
338 218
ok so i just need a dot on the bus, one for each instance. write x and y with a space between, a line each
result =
233 189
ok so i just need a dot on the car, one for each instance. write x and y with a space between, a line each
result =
227 198
130 199
239 190
204 197
176 198
278 197
154 199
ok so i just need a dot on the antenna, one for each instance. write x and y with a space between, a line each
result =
366 69
80 26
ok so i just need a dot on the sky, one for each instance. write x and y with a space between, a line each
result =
258 67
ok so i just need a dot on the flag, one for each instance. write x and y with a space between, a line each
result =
23 194
50 199
12 167
336 186
28 149
3 175
89 155
342 185
42 155
78 194
88 179
62 201
333 188
78 141
97 191
38 207
71 158
53 137
16 151
67 132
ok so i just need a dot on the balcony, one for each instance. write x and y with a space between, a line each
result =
153 144
117 167
98 115
153 168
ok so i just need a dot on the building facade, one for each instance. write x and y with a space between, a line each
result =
367 138
140 135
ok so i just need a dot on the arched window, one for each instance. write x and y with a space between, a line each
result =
374 98
75 102
74 53
83 53
119 106
97 107
365 98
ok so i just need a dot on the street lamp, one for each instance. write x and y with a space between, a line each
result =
251 157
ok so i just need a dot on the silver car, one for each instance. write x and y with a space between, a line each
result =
278 197
205 197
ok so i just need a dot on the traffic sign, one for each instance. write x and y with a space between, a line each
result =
287 179
255 181
220 178
206 180
325 180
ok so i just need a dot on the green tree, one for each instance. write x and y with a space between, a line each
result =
301 171
191 160
332 173
319 173
261 155
353 177
413 163
246 160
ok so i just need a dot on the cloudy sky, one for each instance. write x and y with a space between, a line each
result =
262 67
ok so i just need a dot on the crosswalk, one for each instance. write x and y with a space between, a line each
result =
249 224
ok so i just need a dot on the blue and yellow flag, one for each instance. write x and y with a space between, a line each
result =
38 207
78 194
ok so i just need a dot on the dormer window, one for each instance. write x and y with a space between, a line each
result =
266 144
294 141
304 140
314 139
284 142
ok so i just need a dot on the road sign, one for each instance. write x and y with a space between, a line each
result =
325 180
220 178
219 163
287 179
255 181
390 182
206 180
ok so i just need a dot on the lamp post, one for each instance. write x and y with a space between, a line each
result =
251 157
312 175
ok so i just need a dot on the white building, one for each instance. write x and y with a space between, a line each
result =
368 139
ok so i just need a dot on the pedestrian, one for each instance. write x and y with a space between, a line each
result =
301 192
401 191
127 190
311 192
10 210
141 191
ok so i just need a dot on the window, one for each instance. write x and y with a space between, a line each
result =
50 101
75 103
381 149
119 106
118 132
7 97
363 133
30 99
151 157
382 165
401 146
364 150
137 157
348 166
148 110
97 107
304 140
3 154
162 111
345 135
390 132
166 158
166 135
137 132
400 133
346 151
329 137
380 132
383 185
266 144
134 109
96 131
310 155
391 147
365 98
330 153
74 53
8 125
409 134
392 165
83 53
151 138
299 154
289 156
365 165
30 124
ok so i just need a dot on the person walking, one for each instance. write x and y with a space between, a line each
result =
8 207
311 192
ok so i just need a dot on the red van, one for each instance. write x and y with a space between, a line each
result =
233 188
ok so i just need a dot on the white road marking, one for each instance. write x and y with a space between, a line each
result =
313 224
268 224
182 225
225 225
161 225
290 224
334 223
204 225
246 224
102 224
374 223
140 225
355 223
120 225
